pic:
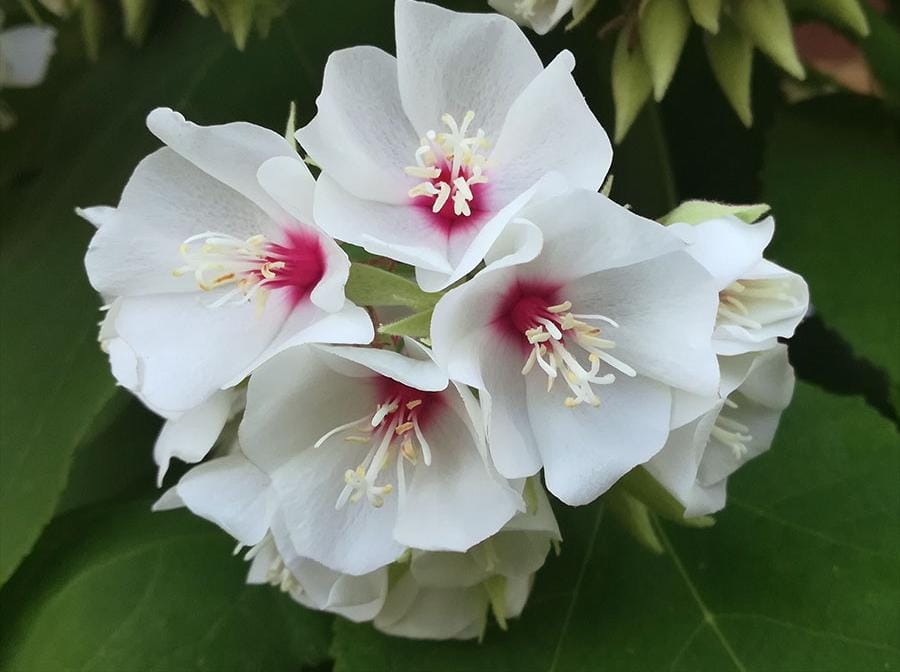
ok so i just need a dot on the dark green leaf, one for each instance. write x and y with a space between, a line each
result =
831 174
137 591
801 572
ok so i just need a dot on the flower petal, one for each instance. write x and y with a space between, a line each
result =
550 128
192 435
586 449
454 62
230 153
665 308
360 135
231 492
25 52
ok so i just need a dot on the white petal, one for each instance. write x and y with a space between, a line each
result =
585 232
454 62
355 539
231 153
25 53
665 308
97 215
231 492
167 199
431 613
442 569
458 500
191 436
416 373
550 128
466 251
401 232
293 400
188 350
287 180
586 449
727 247
545 14
360 136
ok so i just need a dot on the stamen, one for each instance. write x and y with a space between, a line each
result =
733 306
732 433
554 329
459 155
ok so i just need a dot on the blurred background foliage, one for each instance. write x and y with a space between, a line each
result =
801 571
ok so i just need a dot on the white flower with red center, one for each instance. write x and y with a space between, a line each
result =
736 426
541 15
426 157
210 276
585 319
759 301
362 452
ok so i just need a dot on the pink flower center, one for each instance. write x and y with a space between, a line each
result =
531 315
253 267
453 169
395 431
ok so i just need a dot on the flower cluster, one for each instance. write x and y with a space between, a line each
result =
395 479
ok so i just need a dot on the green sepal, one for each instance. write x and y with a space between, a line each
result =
92 19
580 10
730 55
634 516
496 590
706 13
136 16
372 286
631 83
768 26
290 127
663 29
846 13
694 212
240 21
415 326
642 486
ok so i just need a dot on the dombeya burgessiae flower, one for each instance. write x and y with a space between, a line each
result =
739 425
585 319
426 157
759 301
212 276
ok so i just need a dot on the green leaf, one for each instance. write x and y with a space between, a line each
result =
136 591
694 212
831 172
802 572
664 26
706 13
631 82
731 59
53 378
416 326
373 286
767 24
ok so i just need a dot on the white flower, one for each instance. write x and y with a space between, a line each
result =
740 424
575 344
211 276
541 15
362 452
447 595
759 301
427 156
433 594
25 53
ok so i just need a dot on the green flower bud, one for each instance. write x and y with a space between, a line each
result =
731 59
664 26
